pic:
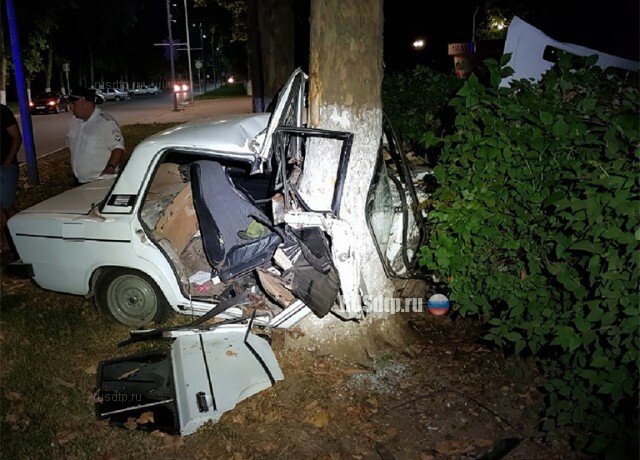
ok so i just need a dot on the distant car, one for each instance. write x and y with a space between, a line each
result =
180 87
142 90
48 102
114 94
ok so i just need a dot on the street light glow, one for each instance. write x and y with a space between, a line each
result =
418 44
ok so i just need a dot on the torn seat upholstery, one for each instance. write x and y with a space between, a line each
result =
223 211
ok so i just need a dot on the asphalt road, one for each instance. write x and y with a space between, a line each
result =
50 130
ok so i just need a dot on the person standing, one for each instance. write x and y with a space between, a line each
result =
94 138
10 140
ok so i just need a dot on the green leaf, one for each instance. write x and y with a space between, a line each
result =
546 118
513 336
584 245
560 128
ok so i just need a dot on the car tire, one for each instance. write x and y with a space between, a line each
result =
130 297
117 98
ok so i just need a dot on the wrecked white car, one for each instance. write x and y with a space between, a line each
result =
205 217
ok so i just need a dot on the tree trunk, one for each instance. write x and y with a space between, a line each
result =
49 69
276 21
255 86
271 47
91 70
344 95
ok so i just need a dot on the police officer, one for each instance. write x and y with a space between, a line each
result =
94 138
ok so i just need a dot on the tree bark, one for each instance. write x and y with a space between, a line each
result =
271 47
276 21
49 69
345 95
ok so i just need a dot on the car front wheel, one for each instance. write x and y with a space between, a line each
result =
130 297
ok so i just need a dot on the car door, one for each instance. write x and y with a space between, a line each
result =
393 213
288 112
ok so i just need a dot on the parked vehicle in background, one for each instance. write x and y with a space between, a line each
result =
114 94
147 89
51 101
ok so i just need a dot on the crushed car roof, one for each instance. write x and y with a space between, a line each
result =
231 134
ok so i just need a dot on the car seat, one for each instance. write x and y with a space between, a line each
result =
224 213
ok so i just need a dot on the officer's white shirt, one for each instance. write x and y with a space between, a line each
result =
91 143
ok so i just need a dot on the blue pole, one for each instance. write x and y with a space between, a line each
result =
25 115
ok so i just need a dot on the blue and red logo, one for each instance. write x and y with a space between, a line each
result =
438 305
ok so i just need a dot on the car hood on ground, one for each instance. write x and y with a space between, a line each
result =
78 200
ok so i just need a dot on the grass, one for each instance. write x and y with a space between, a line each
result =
50 346
229 90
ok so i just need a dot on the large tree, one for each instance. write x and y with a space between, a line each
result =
276 43
345 95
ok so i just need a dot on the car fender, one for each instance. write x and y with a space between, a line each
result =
167 284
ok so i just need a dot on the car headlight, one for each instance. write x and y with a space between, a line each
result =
51 103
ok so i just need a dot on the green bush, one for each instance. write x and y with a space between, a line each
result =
414 101
536 227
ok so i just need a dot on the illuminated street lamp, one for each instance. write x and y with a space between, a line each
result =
418 45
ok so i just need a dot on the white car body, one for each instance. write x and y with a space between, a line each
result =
114 94
532 53
69 240
147 89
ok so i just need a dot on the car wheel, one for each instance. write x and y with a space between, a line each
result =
117 98
130 297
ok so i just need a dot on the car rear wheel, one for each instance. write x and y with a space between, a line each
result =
117 98
130 297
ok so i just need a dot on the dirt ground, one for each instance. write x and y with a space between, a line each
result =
439 394
432 391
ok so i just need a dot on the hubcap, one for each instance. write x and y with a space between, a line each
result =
132 300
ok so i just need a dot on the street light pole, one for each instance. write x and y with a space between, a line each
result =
173 69
186 24
204 61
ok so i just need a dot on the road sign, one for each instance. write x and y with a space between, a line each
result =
460 48
65 67
198 64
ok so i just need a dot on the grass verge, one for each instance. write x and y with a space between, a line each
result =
229 90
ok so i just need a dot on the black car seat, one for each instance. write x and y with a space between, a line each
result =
223 214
